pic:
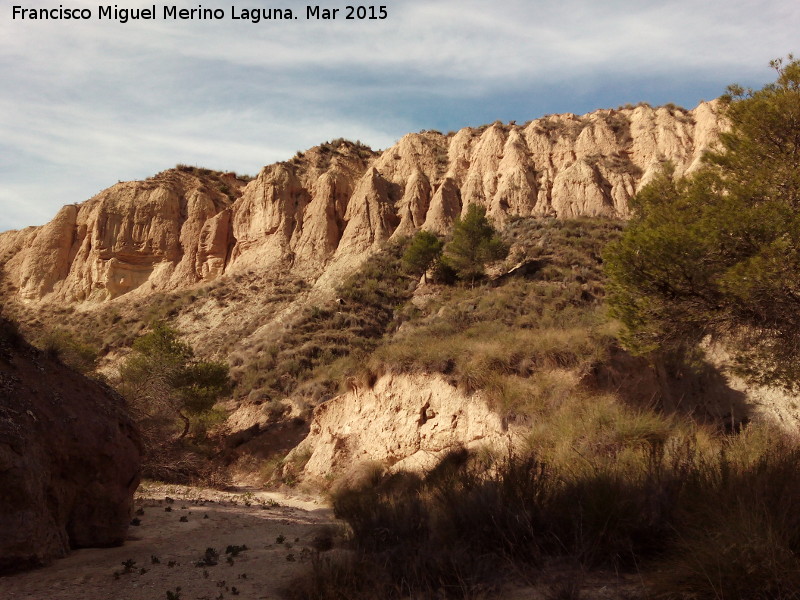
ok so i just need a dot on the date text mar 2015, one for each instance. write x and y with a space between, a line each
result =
124 15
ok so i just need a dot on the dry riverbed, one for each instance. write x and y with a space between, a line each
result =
168 550
178 524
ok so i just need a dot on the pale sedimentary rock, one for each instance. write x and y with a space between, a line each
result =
327 208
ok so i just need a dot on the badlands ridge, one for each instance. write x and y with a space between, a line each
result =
320 214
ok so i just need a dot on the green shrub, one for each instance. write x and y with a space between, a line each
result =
161 377
714 253
422 253
473 243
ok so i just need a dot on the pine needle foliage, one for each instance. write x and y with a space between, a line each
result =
473 244
422 253
718 253
162 379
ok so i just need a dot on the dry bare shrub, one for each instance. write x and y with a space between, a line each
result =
714 517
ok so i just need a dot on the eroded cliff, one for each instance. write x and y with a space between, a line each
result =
407 421
70 458
329 207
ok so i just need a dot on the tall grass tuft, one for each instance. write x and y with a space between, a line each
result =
712 522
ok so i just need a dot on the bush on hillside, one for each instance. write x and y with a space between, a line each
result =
422 253
162 380
715 253
474 242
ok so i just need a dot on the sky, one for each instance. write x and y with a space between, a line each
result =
87 103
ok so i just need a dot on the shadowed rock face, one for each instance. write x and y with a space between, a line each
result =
327 208
69 459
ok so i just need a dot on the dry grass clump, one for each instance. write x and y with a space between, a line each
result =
739 530
501 360
712 518
503 336
63 345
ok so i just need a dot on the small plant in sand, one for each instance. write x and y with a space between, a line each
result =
235 550
209 559
176 595
128 565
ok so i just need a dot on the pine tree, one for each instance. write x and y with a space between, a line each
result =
474 243
162 379
424 250
718 253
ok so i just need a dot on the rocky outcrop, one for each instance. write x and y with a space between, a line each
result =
69 459
329 207
162 233
406 421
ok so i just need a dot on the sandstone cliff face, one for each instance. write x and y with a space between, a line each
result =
327 208
165 232
406 421
69 459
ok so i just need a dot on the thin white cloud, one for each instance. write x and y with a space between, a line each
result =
86 103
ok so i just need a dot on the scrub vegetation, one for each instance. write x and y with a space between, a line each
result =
694 508
536 316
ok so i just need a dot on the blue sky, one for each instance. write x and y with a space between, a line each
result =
85 104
